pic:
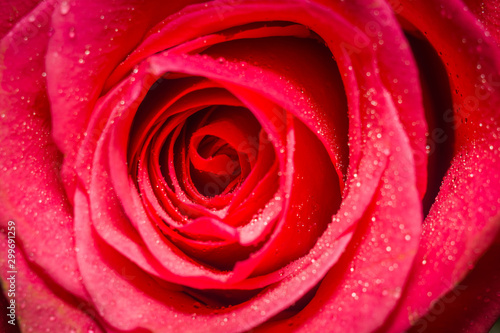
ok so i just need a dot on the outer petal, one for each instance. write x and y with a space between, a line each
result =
476 299
488 12
42 306
462 223
31 191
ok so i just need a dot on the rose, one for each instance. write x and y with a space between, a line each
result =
354 47
87 92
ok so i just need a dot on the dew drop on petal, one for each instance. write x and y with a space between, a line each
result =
64 7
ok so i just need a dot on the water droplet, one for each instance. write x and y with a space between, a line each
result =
64 7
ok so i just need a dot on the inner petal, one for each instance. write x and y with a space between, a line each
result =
214 165
218 149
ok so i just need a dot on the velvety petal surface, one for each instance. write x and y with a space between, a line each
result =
476 300
488 14
31 190
40 304
463 221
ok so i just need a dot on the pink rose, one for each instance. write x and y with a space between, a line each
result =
313 166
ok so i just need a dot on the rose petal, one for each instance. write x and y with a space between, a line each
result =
40 304
198 44
473 305
489 15
31 190
461 224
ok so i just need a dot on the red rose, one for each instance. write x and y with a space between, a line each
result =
248 164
